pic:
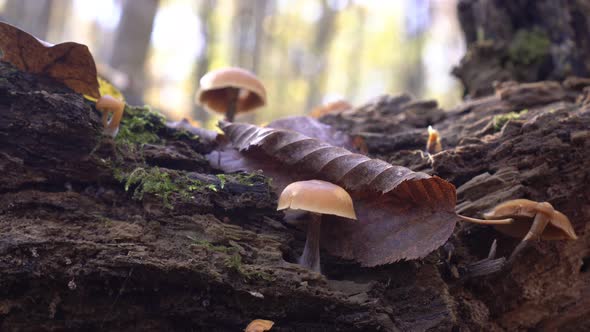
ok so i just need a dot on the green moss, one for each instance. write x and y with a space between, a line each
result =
100 218
185 134
140 125
161 184
233 260
250 179
234 263
151 181
529 46
210 246
222 180
500 120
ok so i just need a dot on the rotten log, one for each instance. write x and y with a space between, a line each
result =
202 250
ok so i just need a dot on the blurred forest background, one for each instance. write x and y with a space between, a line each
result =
307 52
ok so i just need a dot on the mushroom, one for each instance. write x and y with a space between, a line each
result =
318 197
530 221
335 107
231 91
108 104
259 325
433 144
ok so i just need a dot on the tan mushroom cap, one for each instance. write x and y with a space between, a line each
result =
335 107
523 211
214 92
319 197
259 325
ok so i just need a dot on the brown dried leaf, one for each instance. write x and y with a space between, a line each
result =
69 63
402 214
311 127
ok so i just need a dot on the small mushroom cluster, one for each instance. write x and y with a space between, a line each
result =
528 220
520 218
234 90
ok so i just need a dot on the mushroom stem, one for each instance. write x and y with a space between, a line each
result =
433 144
113 126
486 222
534 233
107 104
232 105
538 226
311 253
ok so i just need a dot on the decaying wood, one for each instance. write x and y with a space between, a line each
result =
526 41
77 252
540 154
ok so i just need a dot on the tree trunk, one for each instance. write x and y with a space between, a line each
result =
248 33
524 41
206 11
248 36
133 40
354 64
31 16
317 59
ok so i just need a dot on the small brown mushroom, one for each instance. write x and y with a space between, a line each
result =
230 91
259 325
333 107
530 221
108 104
433 144
318 197
547 223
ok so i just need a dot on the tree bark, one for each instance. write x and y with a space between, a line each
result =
524 41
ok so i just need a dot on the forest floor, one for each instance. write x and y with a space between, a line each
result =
141 233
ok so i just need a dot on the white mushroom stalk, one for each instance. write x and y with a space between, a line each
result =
311 252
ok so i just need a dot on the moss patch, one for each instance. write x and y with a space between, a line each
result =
183 134
529 46
500 120
140 125
210 246
234 263
162 184
233 260
249 179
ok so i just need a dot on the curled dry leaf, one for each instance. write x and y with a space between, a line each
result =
259 325
402 214
69 63
311 127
